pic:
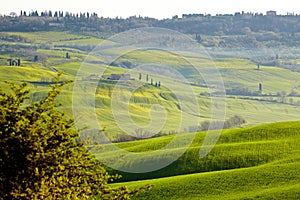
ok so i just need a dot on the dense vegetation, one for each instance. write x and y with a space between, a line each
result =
40 155
259 162
253 29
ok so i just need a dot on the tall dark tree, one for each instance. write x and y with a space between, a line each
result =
19 62
260 87
36 58
68 55
198 38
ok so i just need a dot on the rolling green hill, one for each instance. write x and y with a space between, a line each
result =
51 49
272 181
259 162
236 148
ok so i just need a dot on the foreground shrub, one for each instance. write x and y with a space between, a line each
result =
40 156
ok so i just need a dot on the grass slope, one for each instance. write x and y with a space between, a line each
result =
236 148
270 181
251 163
52 48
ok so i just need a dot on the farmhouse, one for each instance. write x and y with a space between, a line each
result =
271 13
119 76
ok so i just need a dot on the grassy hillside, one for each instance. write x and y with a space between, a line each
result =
259 162
244 73
236 148
251 163
51 49
271 181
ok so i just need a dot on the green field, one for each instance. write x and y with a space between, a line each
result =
251 163
235 72
255 161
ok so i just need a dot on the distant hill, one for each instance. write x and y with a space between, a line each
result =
255 28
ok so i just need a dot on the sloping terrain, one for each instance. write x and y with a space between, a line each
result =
259 162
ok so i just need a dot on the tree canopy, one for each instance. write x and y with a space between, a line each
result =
40 155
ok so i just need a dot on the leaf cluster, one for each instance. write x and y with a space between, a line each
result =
40 154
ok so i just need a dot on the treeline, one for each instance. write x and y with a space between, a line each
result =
196 24
140 134
60 14
234 121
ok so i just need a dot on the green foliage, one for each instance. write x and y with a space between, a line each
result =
40 156
251 30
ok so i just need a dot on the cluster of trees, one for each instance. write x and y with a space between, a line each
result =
244 91
156 84
57 14
139 134
14 62
260 28
233 121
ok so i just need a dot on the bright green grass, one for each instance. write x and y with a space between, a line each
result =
240 72
86 69
255 112
62 53
24 73
268 154
80 41
236 148
235 72
252 163
270 181
141 103
48 37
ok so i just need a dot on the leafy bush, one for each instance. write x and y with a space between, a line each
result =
40 156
